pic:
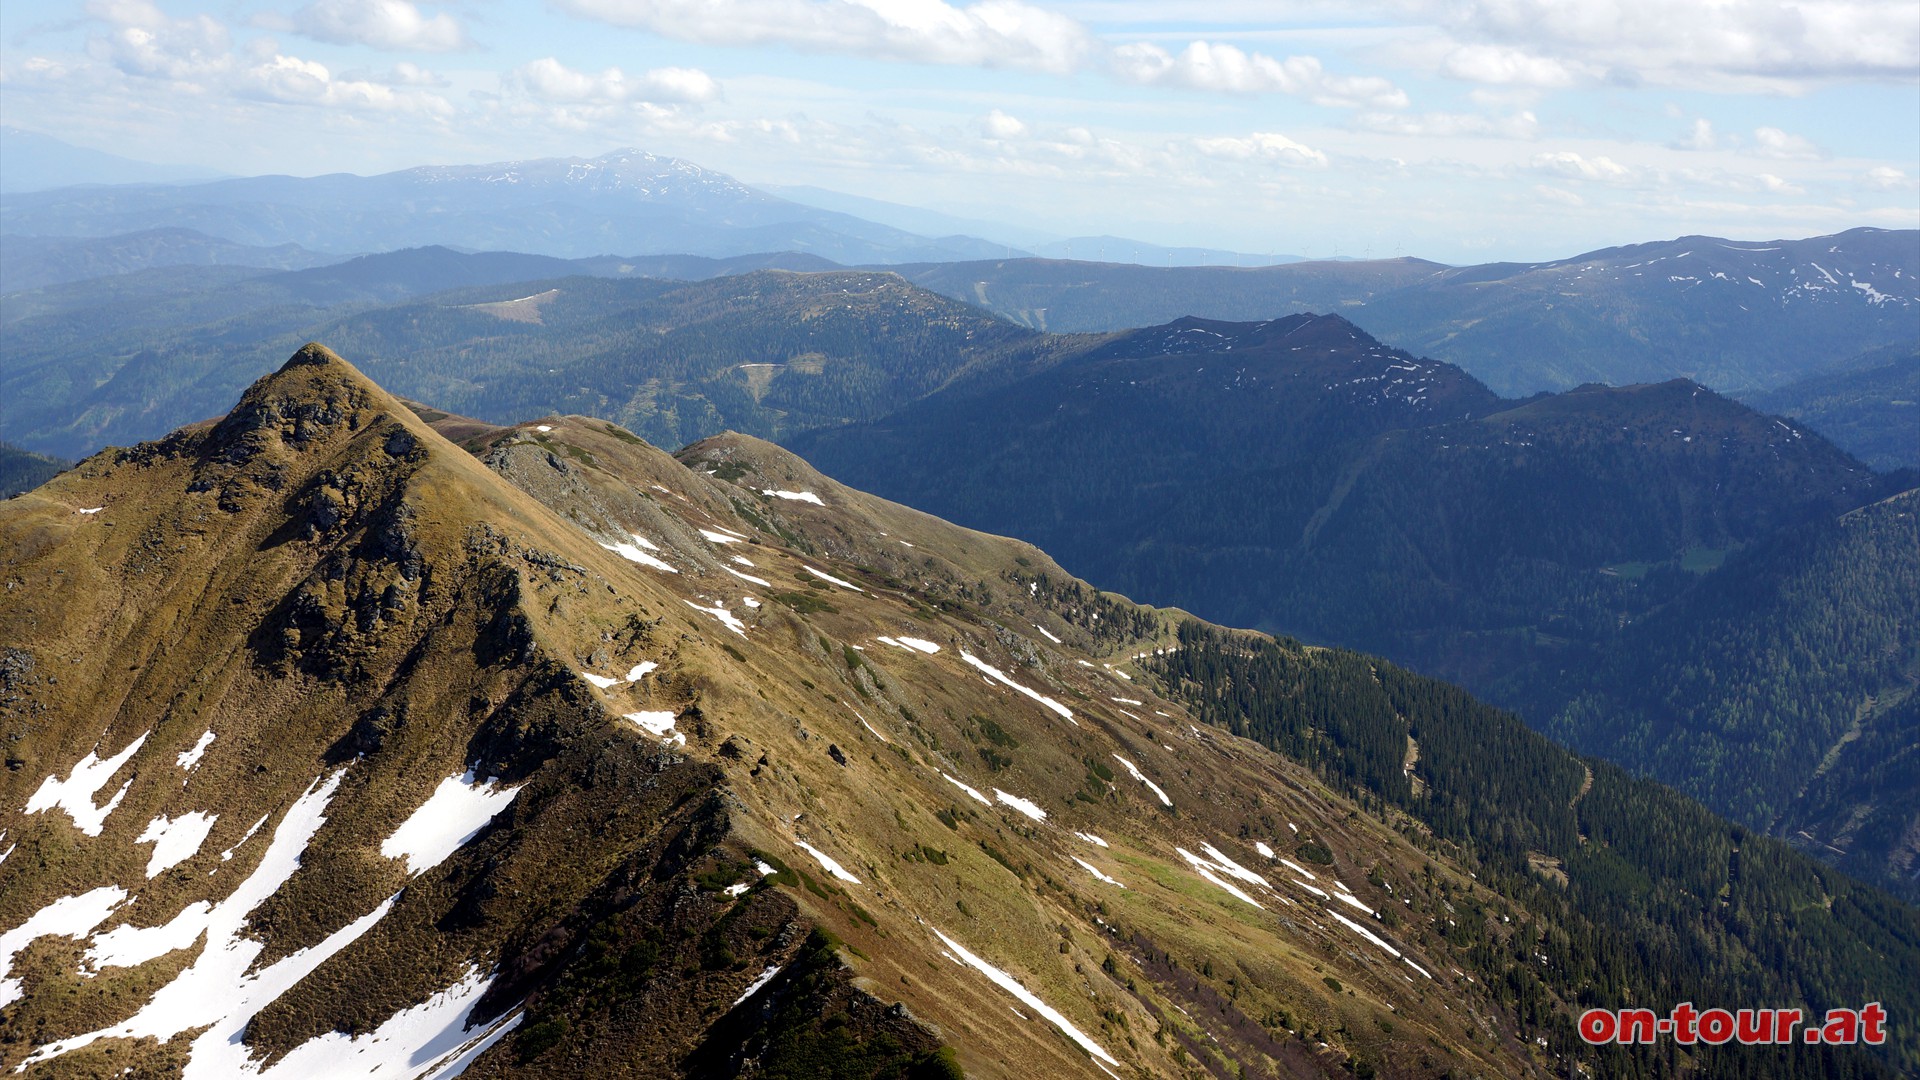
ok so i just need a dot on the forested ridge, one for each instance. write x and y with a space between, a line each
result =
1640 896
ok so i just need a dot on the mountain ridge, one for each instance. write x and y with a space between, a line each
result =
380 620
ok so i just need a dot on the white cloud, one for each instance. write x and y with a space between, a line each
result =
1774 143
1499 65
1205 66
998 125
145 41
1887 178
1700 137
1692 42
550 80
991 33
406 74
1778 186
1262 146
291 80
394 25
1579 167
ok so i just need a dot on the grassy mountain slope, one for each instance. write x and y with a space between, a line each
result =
369 620
766 352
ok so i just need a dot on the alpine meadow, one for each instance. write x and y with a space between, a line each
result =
930 539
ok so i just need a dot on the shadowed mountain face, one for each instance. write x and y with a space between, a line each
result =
335 746
624 201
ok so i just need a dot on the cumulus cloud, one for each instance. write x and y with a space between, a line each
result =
1779 186
1886 178
1774 143
991 33
1262 146
1580 167
1683 43
1205 66
393 25
550 80
291 80
1500 65
142 40
998 125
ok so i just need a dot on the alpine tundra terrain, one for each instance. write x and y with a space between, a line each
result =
345 737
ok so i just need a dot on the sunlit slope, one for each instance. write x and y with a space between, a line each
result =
336 745
312 650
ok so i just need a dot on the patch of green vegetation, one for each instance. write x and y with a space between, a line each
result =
733 652
1000 857
994 759
1314 851
804 604
1632 571
948 818
994 733
729 471
623 434
1703 560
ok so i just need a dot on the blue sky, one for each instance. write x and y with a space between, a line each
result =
1461 130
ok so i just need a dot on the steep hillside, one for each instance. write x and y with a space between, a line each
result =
623 201
332 746
1780 690
1301 476
1871 410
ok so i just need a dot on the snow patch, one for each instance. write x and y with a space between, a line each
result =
1044 632
1025 806
657 723
454 814
191 757
69 916
1366 933
1138 775
727 618
793 496
1092 839
1094 870
756 985
175 841
762 582
824 576
975 795
998 676
75 794
601 681
1261 847
634 554
1206 870
1010 985
827 863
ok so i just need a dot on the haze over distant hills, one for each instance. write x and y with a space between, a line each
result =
626 201
1732 315
34 161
